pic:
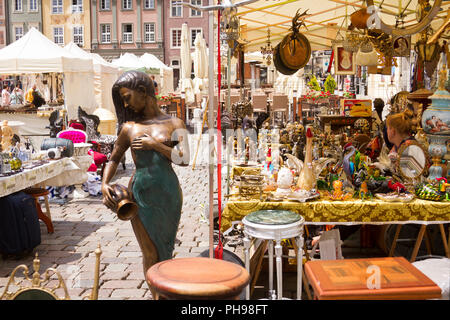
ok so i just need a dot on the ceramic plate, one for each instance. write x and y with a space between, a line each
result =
394 197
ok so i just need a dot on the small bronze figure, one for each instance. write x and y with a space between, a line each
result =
156 141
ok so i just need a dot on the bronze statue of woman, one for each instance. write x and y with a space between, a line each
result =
156 141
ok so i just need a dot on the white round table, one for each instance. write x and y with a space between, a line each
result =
274 225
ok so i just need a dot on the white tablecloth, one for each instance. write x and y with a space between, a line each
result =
65 171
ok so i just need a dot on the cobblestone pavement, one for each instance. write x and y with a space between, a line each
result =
81 225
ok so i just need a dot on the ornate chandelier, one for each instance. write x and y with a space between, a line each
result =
267 50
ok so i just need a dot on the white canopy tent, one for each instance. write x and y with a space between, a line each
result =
34 53
165 82
129 61
105 74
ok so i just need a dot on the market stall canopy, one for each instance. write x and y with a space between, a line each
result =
105 75
165 82
151 61
35 53
129 61
325 18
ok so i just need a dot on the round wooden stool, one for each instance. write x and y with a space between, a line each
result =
274 226
197 278
45 217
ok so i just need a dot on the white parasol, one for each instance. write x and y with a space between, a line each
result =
200 65
186 84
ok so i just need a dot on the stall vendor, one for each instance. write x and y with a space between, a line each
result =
400 127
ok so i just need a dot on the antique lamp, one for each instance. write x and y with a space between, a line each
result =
427 52
267 50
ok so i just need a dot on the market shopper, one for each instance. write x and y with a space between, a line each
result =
155 84
6 96
29 95
149 133
17 95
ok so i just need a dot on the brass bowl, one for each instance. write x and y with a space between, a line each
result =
279 64
126 206
294 51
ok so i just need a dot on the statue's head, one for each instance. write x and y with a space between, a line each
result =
137 86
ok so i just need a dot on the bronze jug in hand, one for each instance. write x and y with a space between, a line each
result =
126 207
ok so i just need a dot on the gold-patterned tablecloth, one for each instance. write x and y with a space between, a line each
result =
345 212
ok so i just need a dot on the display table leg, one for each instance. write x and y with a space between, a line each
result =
261 250
418 242
394 242
444 240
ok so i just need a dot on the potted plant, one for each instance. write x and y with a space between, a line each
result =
313 84
330 84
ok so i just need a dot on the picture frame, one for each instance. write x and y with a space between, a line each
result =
401 46
344 63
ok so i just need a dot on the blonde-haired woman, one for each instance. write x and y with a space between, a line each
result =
400 128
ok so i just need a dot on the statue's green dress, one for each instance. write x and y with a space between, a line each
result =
158 194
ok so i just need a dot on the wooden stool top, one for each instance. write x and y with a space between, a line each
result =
36 192
369 279
197 278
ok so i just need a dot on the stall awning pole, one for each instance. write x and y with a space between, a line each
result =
211 108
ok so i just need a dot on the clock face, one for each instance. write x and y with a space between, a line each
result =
422 10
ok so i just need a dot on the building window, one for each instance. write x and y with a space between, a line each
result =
149 32
175 63
175 41
33 5
58 35
194 35
105 33
149 4
78 37
57 6
17 5
127 33
126 5
18 32
105 4
77 6
196 13
176 9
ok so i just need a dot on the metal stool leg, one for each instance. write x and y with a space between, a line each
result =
278 253
247 264
299 266
270 266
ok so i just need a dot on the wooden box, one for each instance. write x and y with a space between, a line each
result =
369 279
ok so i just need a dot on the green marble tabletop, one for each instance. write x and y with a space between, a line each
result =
273 217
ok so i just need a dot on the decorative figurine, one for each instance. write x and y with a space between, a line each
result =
433 192
307 179
7 136
338 193
156 141
285 179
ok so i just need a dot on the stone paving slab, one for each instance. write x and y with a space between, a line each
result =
80 225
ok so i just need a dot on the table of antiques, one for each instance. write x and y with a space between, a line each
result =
350 212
